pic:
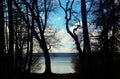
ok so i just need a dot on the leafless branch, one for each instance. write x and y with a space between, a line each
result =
61 5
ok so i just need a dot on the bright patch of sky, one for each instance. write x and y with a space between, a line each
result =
65 41
57 21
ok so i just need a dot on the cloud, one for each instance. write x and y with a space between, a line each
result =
65 40
59 18
62 49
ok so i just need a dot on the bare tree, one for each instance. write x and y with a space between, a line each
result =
2 41
68 15
31 44
86 48
11 40
108 23
40 24
68 10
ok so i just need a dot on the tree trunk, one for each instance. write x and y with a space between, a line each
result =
31 50
2 41
43 43
105 52
86 46
31 43
47 56
40 40
11 40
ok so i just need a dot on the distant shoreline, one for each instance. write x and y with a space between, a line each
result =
57 54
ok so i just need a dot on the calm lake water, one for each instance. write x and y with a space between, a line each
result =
58 65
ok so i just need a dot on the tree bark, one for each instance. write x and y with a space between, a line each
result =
11 40
86 47
40 39
2 41
105 48
31 43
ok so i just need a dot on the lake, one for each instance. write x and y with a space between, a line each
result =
58 65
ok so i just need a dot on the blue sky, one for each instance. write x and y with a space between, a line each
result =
57 21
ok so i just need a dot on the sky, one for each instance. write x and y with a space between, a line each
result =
57 21
66 43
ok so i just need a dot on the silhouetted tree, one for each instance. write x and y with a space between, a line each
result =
86 47
2 41
20 42
31 44
11 40
40 24
68 10
68 15
107 19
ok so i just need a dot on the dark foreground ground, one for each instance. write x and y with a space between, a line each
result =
52 76
68 76
44 76
99 69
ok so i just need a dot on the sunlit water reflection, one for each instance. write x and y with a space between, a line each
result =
58 65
